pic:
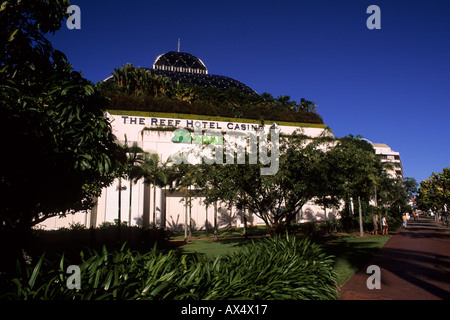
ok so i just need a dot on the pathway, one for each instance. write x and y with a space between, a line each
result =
414 265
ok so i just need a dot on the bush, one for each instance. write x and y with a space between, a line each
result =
257 111
278 268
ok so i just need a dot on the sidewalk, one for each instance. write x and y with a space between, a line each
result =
414 264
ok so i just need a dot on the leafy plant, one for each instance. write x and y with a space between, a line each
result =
275 268
57 114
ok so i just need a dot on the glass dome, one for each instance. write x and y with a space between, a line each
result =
185 68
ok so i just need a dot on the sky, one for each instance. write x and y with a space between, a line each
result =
389 85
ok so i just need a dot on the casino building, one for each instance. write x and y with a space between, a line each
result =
156 134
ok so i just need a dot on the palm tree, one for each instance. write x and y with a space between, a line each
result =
183 180
155 175
133 171
135 159
306 105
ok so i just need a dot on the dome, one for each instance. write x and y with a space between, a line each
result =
185 68
204 80
179 62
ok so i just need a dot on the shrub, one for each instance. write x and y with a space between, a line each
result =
77 226
278 268
256 111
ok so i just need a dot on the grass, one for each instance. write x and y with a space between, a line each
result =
351 252
229 240
222 233
214 248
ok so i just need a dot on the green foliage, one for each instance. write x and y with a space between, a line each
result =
61 150
347 169
392 196
275 268
137 89
411 186
137 81
434 192
77 226
278 268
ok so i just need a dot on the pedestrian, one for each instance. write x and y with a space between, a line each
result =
375 224
404 220
384 225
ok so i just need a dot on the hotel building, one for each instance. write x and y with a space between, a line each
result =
154 133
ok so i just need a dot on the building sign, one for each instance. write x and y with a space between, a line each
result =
186 123
184 136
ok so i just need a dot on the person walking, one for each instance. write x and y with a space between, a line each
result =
375 224
404 220
384 225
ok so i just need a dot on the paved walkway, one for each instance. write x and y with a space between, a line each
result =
414 265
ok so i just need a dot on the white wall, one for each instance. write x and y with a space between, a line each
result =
131 129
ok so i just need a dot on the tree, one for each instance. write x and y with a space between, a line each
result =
155 175
62 151
328 182
276 198
411 186
134 169
427 198
359 169
393 194
138 81
434 192
306 105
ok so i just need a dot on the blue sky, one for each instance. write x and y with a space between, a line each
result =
390 85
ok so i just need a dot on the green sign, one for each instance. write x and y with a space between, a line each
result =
184 136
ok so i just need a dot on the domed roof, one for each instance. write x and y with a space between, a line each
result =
179 62
185 68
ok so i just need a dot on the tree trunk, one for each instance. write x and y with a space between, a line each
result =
131 198
119 213
185 219
206 222
215 221
164 210
190 215
154 206
245 223
361 229
351 206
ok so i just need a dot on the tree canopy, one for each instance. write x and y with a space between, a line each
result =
135 88
325 170
434 192
59 151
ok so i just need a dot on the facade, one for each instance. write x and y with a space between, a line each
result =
162 136
156 135
387 155
170 136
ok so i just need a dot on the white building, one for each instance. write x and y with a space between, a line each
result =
155 135
387 155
